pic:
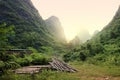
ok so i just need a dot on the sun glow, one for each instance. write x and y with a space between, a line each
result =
76 15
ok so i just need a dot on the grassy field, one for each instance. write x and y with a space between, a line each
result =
93 72
85 72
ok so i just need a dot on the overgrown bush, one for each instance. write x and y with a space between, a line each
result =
38 59
23 62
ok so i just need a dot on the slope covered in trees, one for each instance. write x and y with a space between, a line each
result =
30 29
29 26
103 47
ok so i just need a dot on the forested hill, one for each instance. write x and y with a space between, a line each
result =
110 35
103 47
30 29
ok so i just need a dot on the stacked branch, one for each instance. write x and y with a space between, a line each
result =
61 66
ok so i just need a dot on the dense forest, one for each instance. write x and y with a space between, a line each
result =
22 27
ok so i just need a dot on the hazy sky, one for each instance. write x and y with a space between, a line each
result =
76 15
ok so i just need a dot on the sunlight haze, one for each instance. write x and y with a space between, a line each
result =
76 15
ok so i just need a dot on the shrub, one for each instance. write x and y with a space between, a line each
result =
23 62
40 60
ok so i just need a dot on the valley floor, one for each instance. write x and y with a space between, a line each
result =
85 72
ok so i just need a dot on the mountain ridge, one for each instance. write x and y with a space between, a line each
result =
30 29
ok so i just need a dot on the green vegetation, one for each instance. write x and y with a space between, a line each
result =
14 61
30 29
5 33
97 59
29 32
103 48
28 24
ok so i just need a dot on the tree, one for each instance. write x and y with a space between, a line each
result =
82 56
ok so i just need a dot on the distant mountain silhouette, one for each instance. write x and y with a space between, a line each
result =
55 28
